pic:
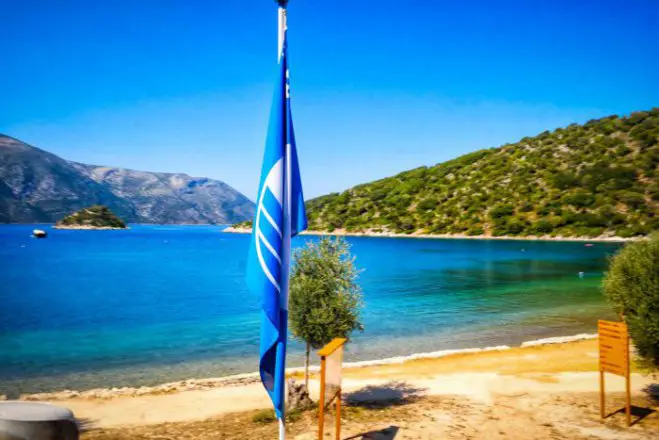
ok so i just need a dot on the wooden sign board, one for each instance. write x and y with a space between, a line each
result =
614 347
331 361
614 359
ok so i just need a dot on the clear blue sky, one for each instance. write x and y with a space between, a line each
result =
377 86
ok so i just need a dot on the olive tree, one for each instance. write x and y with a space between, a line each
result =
325 300
632 285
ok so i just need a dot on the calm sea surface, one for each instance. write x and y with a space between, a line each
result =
84 309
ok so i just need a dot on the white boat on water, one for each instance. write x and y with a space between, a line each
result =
39 233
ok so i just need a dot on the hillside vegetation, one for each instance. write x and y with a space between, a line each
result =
599 178
96 216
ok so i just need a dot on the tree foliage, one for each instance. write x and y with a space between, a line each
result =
632 285
555 183
325 299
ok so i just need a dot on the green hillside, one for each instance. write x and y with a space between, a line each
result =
600 178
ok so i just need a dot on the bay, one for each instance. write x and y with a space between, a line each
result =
87 309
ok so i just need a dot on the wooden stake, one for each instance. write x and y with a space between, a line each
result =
628 389
338 415
602 411
321 400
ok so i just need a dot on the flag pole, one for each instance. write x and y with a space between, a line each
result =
281 34
281 29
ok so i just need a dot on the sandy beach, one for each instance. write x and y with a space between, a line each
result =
344 233
546 390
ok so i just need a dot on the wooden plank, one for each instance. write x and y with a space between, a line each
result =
332 346
321 404
338 416
602 412
613 347
628 401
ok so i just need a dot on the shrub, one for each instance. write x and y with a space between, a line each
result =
515 226
654 192
526 207
543 226
580 199
267 416
264 417
632 199
427 204
625 232
565 180
593 220
632 285
405 224
501 211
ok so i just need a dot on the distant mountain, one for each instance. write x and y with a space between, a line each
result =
38 186
600 178
172 198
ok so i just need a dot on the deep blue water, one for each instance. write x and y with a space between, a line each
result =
85 309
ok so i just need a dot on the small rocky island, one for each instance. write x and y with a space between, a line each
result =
242 227
93 217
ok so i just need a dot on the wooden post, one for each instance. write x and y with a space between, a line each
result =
602 408
628 388
628 402
338 416
321 400
306 367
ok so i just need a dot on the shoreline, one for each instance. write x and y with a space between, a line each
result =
343 233
89 228
236 380
517 378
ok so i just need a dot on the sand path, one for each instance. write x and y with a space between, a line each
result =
480 378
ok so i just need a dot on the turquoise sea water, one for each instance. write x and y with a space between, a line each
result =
85 309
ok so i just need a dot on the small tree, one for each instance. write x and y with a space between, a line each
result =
632 285
325 300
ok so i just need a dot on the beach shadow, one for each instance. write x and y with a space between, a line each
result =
85 425
382 396
652 392
381 434
638 413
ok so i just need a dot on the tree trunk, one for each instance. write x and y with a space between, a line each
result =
306 367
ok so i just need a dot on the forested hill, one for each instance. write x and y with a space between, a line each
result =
600 178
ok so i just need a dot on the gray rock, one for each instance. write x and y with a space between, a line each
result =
36 421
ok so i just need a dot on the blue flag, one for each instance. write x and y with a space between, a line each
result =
279 216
